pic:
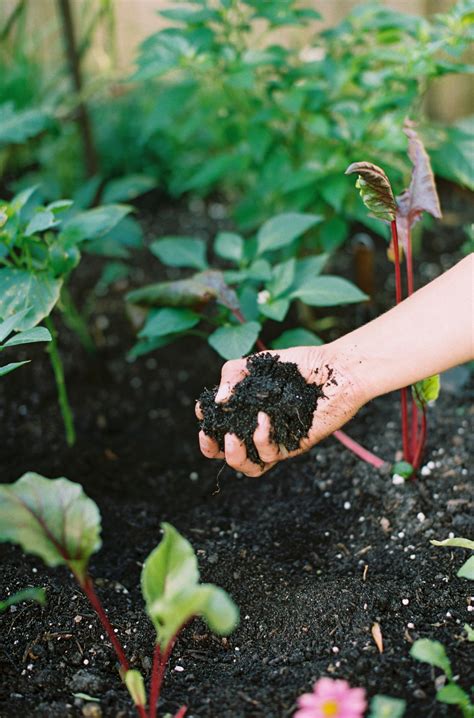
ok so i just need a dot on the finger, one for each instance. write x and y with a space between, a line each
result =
232 372
236 457
209 447
198 411
267 451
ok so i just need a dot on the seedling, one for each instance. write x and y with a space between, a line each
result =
403 213
40 246
26 594
433 653
467 569
30 336
55 520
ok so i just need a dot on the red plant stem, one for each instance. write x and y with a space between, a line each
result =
87 586
398 299
410 290
421 442
182 712
157 674
240 318
359 450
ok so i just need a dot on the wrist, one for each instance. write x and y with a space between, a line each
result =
356 366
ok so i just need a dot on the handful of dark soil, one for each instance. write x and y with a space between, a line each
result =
272 386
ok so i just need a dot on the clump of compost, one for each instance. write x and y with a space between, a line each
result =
272 386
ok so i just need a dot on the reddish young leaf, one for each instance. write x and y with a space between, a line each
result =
375 189
421 196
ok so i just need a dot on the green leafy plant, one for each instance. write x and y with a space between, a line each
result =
386 707
274 124
40 246
26 594
433 653
55 520
402 213
31 336
265 279
467 569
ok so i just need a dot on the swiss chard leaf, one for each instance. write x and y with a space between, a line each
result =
201 288
51 518
421 196
467 569
432 652
136 686
375 190
173 594
426 390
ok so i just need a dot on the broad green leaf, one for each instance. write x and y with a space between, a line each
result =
18 126
296 338
126 235
426 390
42 220
333 233
386 707
283 276
328 291
232 342
50 518
94 223
229 245
307 269
127 188
136 686
168 320
470 632
173 595
452 695
452 157
27 594
145 346
333 190
60 205
180 252
7 368
35 334
282 230
275 309
20 289
467 569
432 652
22 198
7 326
375 189
260 270
455 543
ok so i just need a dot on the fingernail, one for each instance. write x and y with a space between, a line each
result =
223 393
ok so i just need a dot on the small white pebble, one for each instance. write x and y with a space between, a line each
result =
397 480
425 471
451 535
237 648
431 465
347 505
470 608
194 476
246 618
34 570
86 661
361 519
421 516
412 556
339 555
335 649
410 625
436 497
178 669
401 534
365 607
405 601
449 614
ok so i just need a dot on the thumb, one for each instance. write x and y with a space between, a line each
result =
232 372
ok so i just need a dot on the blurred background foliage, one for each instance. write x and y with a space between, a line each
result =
261 102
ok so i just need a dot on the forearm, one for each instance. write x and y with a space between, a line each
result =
426 334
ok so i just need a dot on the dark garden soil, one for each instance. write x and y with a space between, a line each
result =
314 552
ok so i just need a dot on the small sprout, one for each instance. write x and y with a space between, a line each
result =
386 707
467 569
27 594
377 636
136 687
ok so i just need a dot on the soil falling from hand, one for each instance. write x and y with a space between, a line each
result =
272 386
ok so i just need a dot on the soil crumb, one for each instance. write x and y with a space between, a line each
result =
272 386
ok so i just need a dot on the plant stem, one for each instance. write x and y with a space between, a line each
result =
240 318
359 450
421 442
157 674
58 370
182 712
75 321
410 290
398 299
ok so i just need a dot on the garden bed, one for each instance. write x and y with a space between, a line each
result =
314 553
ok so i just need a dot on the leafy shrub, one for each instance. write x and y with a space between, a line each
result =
55 520
275 126
266 278
40 246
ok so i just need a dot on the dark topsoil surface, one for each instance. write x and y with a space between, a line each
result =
313 553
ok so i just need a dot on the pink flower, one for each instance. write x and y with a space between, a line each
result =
332 699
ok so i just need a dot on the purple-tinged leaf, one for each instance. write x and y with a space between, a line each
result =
421 196
375 189
201 288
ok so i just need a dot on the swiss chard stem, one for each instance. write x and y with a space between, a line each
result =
75 321
398 299
157 674
58 369
415 439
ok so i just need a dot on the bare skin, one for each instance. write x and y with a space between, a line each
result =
426 334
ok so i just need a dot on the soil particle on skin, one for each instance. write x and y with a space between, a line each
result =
272 386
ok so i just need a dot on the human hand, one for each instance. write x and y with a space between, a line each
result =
343 396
